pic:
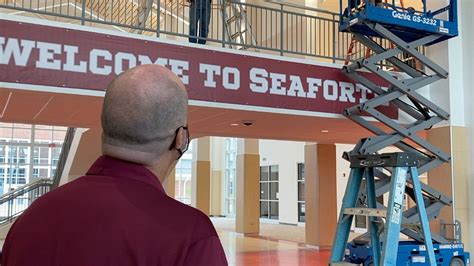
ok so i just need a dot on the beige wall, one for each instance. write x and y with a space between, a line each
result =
88 150
201 186
320 194
216 193
248 194
452 179
201 175
460 154
247 219
217 176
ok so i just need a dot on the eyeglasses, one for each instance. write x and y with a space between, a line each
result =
186 146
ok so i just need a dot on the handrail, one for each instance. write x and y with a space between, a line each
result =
14 203
63 156
24 189
307 8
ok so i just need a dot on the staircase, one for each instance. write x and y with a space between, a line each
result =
15 202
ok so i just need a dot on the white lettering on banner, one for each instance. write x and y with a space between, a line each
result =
12 48
313 87
347 92
235 73
145 60
210 71
178 67
70 65
330 89
277 87
258 81
46 55
56 56
296 87
363 92
94 62
120 58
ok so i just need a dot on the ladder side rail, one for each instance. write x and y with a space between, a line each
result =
237 26
422 215
249 26
241 30
225 18
345 221
393 222
373 221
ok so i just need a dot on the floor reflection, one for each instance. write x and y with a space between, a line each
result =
268 249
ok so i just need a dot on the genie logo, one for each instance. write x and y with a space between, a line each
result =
403 16
414 18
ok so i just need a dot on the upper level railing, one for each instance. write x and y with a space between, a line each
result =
278 29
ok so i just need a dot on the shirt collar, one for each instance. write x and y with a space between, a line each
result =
109 166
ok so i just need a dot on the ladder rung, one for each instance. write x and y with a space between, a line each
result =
234 36
232 19
366 212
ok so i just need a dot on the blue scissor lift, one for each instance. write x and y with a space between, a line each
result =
397 174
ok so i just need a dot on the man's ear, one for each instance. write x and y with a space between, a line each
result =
180 139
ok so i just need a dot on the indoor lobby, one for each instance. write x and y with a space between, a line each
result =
273 120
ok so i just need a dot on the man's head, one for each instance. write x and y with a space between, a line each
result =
144 112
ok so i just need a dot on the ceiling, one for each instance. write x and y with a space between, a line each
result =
34 107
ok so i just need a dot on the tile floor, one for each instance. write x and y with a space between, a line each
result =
276 245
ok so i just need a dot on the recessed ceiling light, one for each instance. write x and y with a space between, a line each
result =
325 131
234 125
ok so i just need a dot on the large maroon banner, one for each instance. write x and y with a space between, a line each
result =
37 53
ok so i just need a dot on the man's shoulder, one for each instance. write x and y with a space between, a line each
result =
203 226
57 196
191 212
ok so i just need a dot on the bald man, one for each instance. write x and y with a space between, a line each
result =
118 213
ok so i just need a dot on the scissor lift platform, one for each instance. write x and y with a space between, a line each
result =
407 25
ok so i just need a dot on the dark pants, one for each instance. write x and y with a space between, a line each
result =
199 18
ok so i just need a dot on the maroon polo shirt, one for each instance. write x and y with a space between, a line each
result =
118 214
